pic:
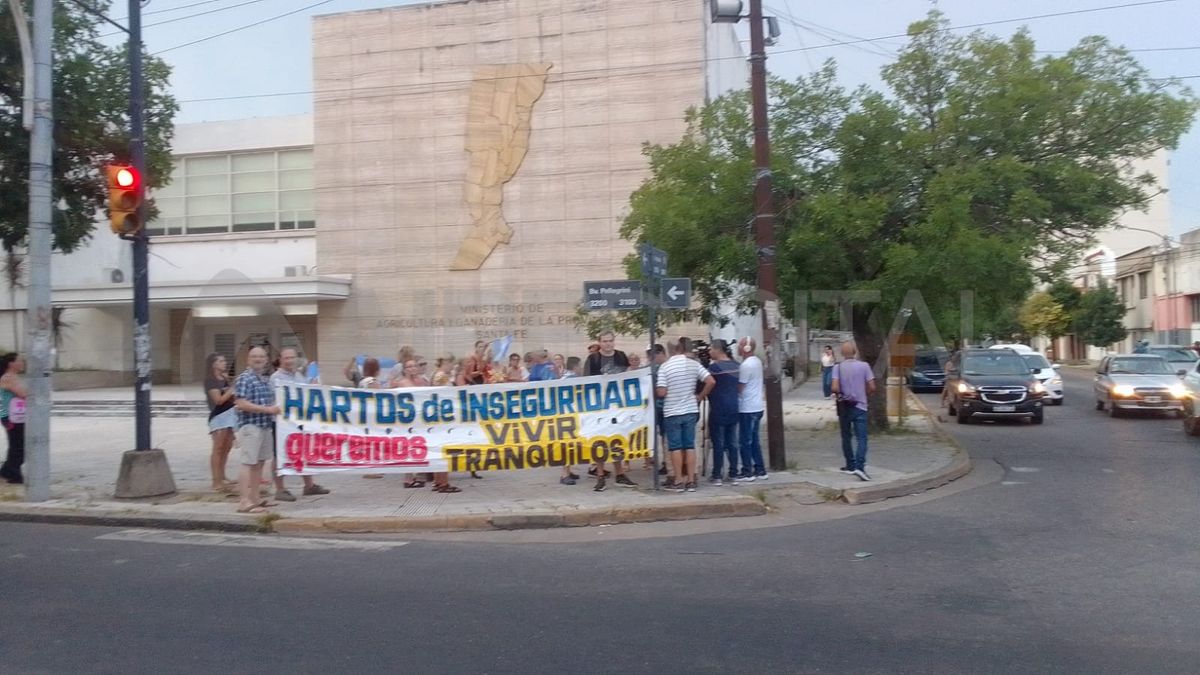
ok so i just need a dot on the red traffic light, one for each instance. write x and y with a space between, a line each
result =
126 177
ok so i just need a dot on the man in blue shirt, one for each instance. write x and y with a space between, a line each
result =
541 368
723 411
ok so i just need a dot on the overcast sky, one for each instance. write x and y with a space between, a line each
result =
276 56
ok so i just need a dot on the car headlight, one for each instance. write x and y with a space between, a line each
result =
918 375
1178 390
964 388
1122 390
1039 388
1057 380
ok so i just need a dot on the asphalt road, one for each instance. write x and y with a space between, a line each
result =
1083 557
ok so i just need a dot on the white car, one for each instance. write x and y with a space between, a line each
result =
1043 370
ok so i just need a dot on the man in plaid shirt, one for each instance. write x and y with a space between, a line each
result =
254 400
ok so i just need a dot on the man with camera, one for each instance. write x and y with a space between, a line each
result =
853 383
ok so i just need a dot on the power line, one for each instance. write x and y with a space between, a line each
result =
241 28
1143 49
656 66
175 9
192 16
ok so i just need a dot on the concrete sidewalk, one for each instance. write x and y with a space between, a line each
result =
86 455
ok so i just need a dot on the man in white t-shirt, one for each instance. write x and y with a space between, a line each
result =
676 386
751 404
288 373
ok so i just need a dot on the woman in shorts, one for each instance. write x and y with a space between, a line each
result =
222 418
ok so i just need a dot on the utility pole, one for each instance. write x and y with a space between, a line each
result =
764 240
144 470
41 209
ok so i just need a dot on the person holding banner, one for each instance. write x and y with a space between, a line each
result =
288 373
676 385
413 378
474 368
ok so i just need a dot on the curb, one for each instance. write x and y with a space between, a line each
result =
66 517
725 508
955 469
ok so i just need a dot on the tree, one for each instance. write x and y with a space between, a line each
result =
1042 315
91 124
1066 294
984 168
1099 319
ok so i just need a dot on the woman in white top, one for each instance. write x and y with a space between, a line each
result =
827 362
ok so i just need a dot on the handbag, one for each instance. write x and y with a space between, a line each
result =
844 405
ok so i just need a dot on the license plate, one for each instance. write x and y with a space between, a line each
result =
1004 408
1153 399
936 383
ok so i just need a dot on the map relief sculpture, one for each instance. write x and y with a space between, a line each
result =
499 116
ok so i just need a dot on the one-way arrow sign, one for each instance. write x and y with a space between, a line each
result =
677 293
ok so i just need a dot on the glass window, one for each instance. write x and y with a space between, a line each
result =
201 166
254 201
238 192
295 159
259 161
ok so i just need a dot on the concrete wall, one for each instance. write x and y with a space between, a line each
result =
390 140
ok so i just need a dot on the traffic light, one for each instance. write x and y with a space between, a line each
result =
124 199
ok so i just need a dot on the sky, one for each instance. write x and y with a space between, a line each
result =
275 56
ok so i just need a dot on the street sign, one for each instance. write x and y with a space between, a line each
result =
599 296
677 293
654 262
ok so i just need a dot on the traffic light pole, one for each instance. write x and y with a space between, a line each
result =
144 470
141 252
41 209
764 239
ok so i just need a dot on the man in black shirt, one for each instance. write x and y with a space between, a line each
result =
607 361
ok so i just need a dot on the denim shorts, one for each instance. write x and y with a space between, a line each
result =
680 431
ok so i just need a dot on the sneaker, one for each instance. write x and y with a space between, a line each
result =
315 489
572 475
862 475
675 487
662 470
761 476
743 479
567 480
592 472
716 481
624 481
600 485
690 487
846 469
284 496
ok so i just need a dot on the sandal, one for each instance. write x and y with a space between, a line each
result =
415 484
253 509
447 489
265 503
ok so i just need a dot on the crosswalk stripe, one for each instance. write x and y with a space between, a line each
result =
249 540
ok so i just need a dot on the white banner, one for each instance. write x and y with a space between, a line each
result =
493 427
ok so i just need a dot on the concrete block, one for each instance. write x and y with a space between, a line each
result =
144 473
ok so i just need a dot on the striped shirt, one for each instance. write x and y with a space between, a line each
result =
679 376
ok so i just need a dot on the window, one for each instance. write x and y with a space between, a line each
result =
238 192
1143 285
1194 301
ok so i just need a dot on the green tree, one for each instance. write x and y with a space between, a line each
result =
1099 318
1066 294
984 168
91 124
1042 315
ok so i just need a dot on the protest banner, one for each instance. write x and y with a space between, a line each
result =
494 427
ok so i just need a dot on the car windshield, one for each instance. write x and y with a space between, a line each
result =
1036 361
929 361
1174 353
1001 363
1155 366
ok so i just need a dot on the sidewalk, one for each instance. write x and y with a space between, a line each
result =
85 456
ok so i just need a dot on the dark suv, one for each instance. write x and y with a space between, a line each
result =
992 382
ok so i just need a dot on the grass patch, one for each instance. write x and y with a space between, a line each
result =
10 496
761 496
265 520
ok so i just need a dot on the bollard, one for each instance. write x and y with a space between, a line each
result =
895 390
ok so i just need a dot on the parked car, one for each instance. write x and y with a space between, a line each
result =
929 370
1137 382
1180 358
992 383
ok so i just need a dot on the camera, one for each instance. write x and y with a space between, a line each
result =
701 349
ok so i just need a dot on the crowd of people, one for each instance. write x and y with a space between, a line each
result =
242 409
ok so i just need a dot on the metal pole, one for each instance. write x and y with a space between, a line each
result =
652 321
141 281
41 205
764 239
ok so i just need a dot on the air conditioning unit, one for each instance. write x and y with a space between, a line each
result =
114 275
295 271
